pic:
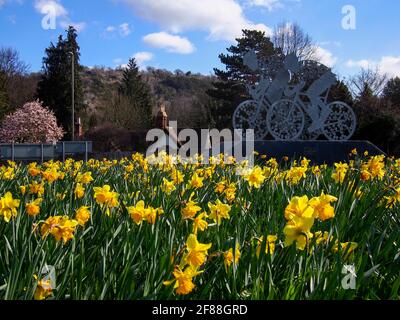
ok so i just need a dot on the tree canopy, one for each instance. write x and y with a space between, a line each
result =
55 86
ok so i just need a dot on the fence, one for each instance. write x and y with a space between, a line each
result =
44 152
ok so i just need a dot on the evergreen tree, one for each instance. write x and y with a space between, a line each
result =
228 89
391 91
366 105
55 86
138 93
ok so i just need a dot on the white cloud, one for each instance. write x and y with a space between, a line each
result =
79 26
111 29
172 43
387 64
143 57
42 6
269 4
222 19
3 2
390 65
325 57
125 29
360 64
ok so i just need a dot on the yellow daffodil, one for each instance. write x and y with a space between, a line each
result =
298 230
82 215
340 172
230 258
200 223
219 211
59 227
43 289
190 210
33 207
300 207
138 212
295 174
151 214
84 178
183 280
36 188
105 196
269 246
79 191
196 182
255 177
8 206
322 206
346 248
168 186
196 252
22 189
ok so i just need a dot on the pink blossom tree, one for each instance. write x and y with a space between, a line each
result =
32 123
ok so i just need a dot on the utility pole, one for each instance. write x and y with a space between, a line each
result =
73 96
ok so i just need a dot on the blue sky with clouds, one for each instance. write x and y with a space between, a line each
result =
189 34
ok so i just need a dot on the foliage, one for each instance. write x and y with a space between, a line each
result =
32 123
378 122
55 86
340 92
391 92
4 101
151 229
109 137
137 92
16 86
184 93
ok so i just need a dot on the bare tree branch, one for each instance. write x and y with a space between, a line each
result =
11 64
291 38
372 78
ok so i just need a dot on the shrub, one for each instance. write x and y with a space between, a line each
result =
108 137
32 123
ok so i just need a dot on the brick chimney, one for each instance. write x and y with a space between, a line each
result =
162 117
78 129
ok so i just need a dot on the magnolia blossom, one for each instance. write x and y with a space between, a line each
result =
32 123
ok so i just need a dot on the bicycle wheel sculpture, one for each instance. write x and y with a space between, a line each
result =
246 117
285 120
293 97
341 122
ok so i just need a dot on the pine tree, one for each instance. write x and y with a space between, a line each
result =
136 90
228 90
55 86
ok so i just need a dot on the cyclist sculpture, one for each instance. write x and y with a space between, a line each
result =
279 105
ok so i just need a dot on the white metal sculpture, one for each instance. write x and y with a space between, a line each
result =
281 107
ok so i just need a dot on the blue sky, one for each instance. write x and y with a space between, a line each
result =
189 34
